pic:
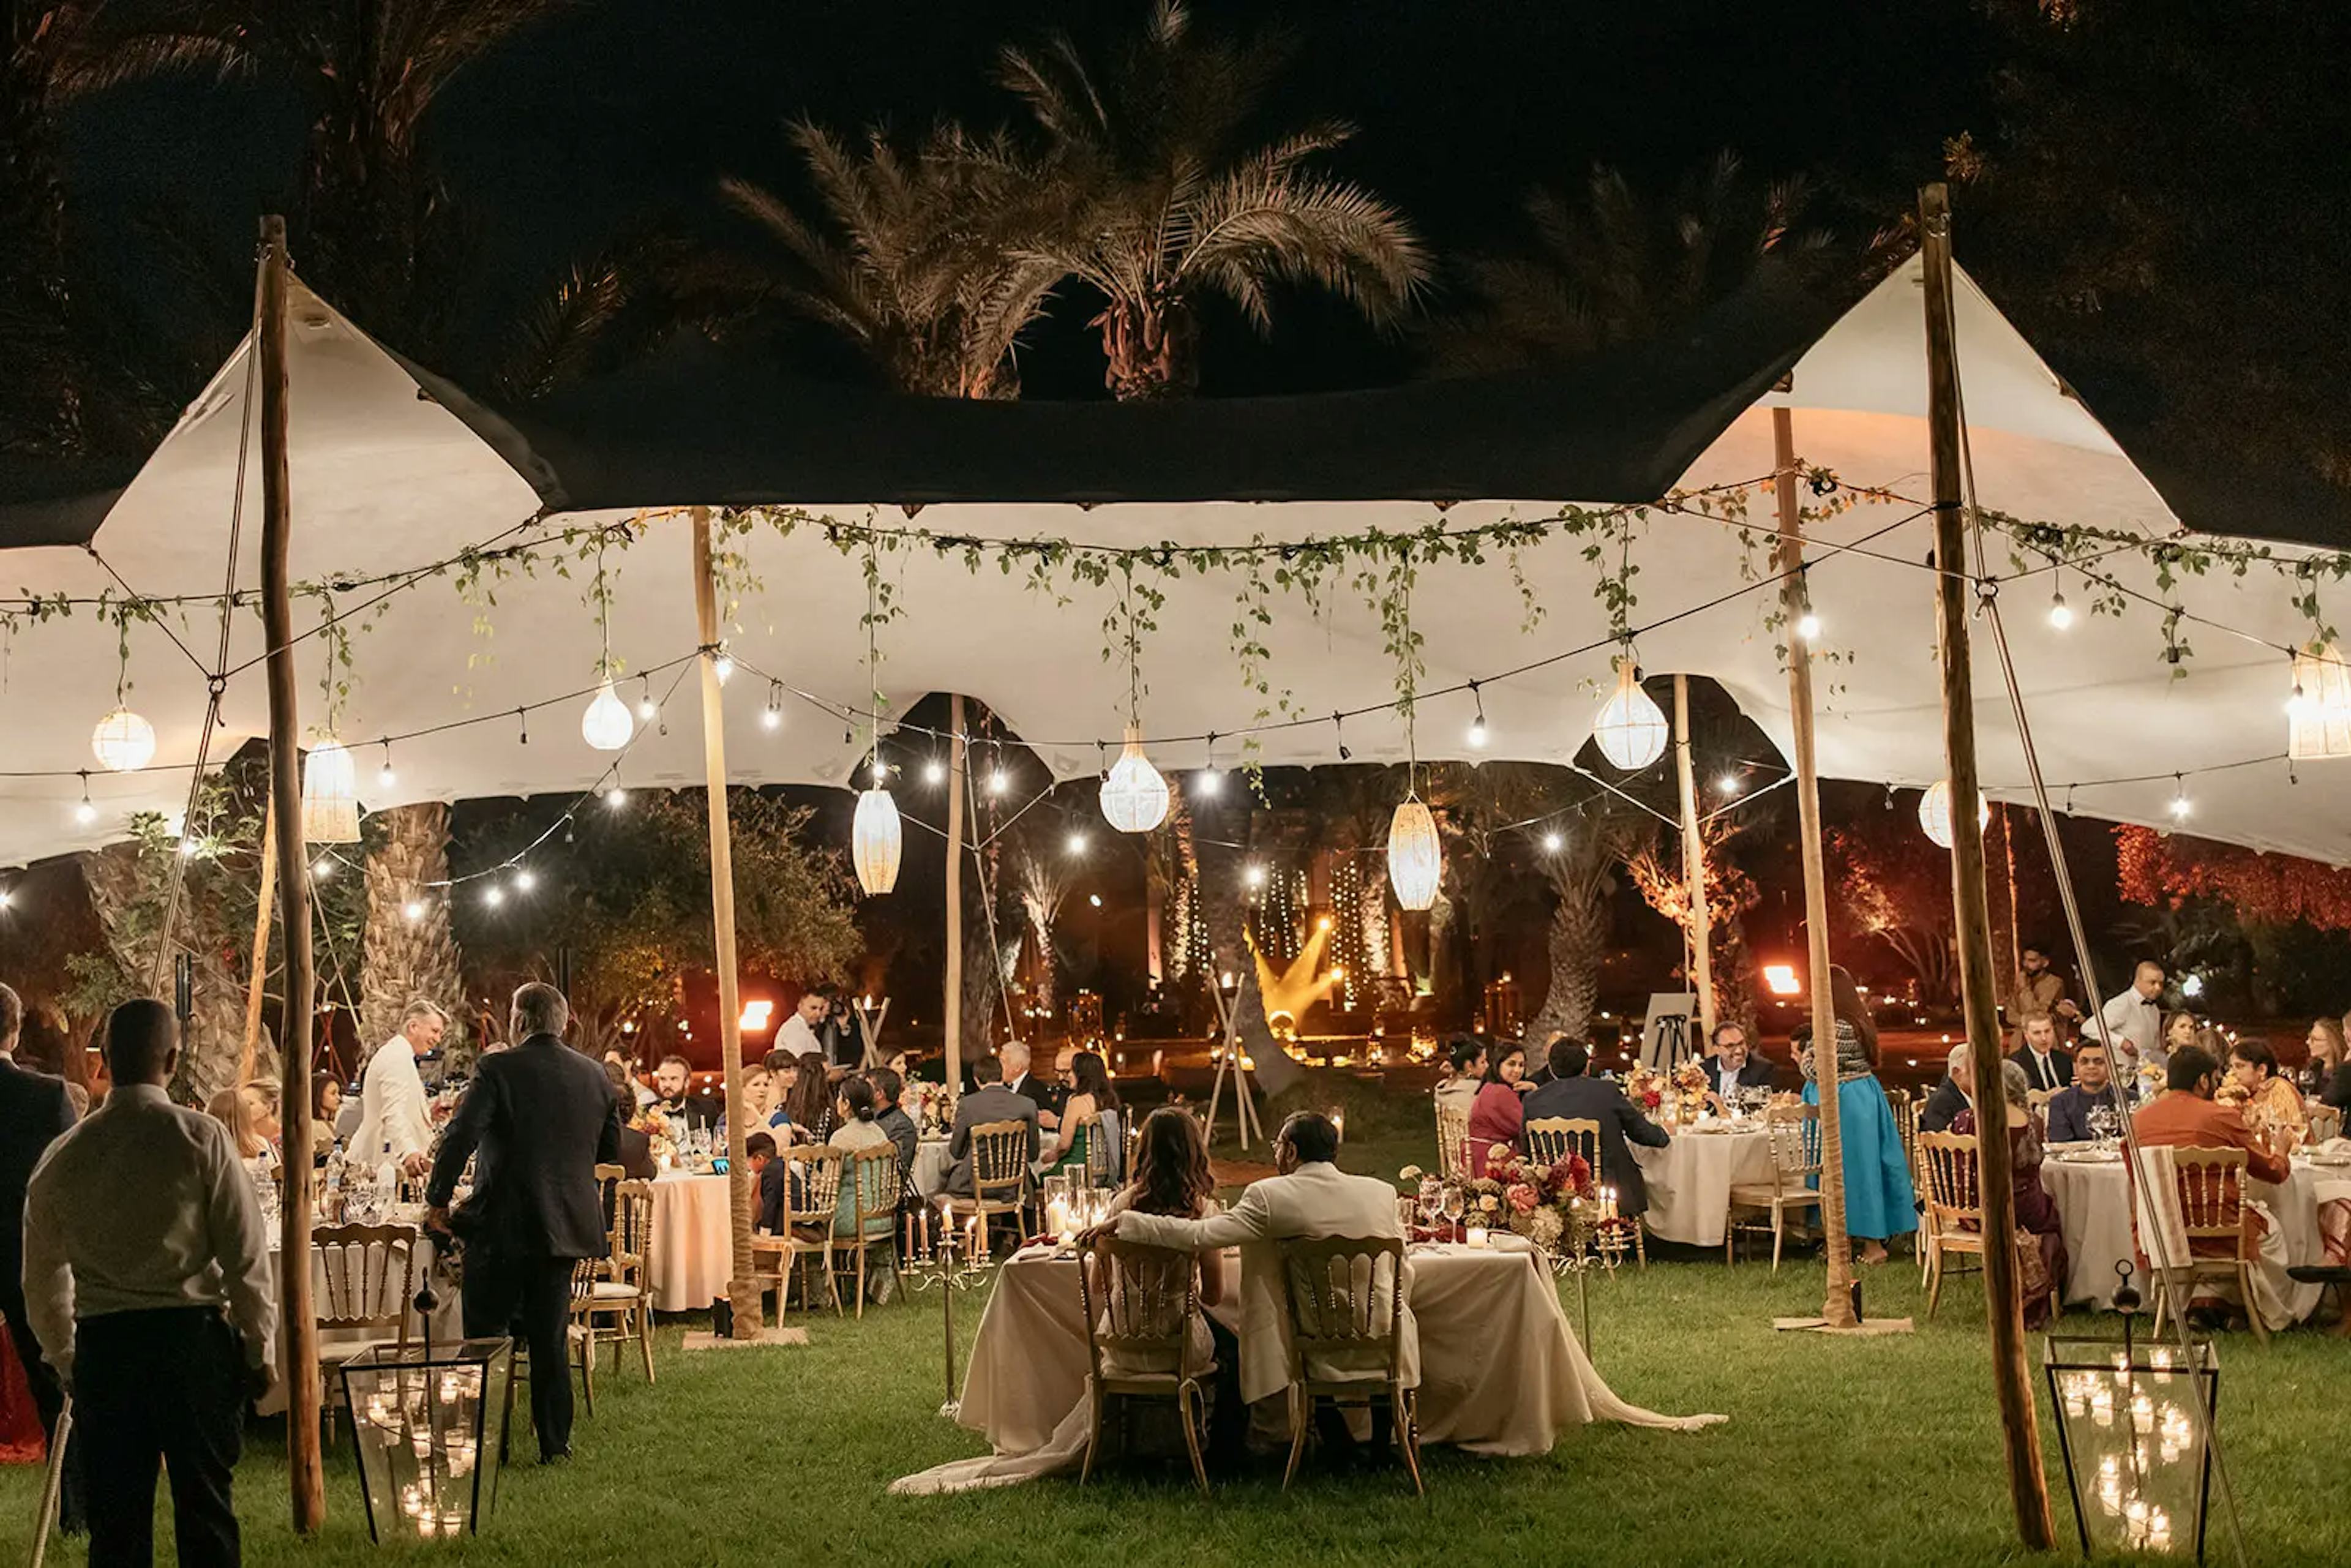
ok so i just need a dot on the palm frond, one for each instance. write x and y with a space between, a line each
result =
553 341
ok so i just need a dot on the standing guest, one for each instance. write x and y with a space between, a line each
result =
149 1284
844 1047
1092 1094
674 1098
2039 988
2267 1097
1498 1116
2036 1212
537 1121
988 1101
326 1103
636 1154
2046 1065
395 1119
1171 1178
34 1111
56 1052
2329 1076
799 1034
2069 1109
2133 1021
1573 1095
1944 1105
1458 1090
1880 1197
1734 1066
813 1111
233 1109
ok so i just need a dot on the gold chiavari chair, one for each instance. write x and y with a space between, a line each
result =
1138 1303
1795 1134
1345 1296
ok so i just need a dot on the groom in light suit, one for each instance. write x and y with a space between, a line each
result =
1311 1199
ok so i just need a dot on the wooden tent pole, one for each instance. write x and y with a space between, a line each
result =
953 1012
260 971
742 1291
1836 1307
305 1469
1701 920
2012 1381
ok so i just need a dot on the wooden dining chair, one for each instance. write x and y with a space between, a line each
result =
2211 1187
618 1307
869 1181
1346 1299
1000 1176
1100 1170
1551 1139
1138 1303
1952 1225
1794 1132
1453 1141
813 1201
367 1278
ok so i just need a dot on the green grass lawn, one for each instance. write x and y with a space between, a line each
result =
1838 1451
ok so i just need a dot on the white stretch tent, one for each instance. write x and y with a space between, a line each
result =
385 478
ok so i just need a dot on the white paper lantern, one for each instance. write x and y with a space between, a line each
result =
1134 796
123 741
606 724
330 794
875 841
1416 857
1631 730
1935 812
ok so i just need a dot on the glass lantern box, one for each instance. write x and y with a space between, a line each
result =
429 1422
2137 1461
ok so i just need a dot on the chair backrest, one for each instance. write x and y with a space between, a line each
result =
1100 1133
1952 1196
2326 1122
1453 1140
1345 1293
369 1274
811 1185
1138 1303
1905 1124
1795 1134
870 1178
1551 1139
632 1229
1000 1162
2211 1191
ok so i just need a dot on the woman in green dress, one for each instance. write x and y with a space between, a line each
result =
1092 1095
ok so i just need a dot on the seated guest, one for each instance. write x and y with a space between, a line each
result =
1733 1066
2069 1109
1310 1197
2326 1076
900 1127
636 1159
860 1131
2035 1211
783 1075
2266 1096
758 1100
814 1110
1496 1116
326 1100
988 1102
673 1096
1458 1088
639 1095
2185 1116
768 1173
1573 1095
1948 1099
1091 1093
1172 1178
233 1109
2045 1064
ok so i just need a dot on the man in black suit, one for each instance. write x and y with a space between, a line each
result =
1947 1100
1570 1093
1733 1061
537 1122
991 1101
34 1112
1019 1081
2046 1064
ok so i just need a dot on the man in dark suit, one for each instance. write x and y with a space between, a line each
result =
2046 1064
991 1101
2069 1109
34 1112
1571 1094
1041 1093
1733 1061
537 1122
1947 1100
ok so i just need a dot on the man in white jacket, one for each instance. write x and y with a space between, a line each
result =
395 1110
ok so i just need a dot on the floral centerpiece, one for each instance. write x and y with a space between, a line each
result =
930 1106
1646 1089
1550 1205
654 1123
1691 1080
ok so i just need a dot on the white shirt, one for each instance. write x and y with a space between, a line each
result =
2136 1025
393 1106
144 1204
798 1038
2043 1070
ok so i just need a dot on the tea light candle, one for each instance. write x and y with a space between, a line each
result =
1477 1236
2102 1408
2142 1413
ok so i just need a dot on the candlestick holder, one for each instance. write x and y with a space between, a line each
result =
949 1266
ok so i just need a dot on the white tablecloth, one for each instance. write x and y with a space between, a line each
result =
1689 1181
1500 1372
2094 1207
693 1252
931 1165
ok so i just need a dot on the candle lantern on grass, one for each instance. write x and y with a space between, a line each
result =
429 1424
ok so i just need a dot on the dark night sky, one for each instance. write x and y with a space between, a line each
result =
629 111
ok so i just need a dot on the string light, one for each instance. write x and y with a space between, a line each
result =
494 896
616 797
724 666
85 813
647 709
322 869
1552 844
999 781
2299 704
1077 843
2180 808
1478 736
935 771
2061 614
525 878
412 911
1808 627
1728 784
772 716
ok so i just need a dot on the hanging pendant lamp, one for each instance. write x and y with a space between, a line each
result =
1416 857
123 741
330 794
1134 796
1630 730
1935 812
875 842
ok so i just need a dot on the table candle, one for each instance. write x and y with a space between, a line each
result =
1057 1217
1478 1235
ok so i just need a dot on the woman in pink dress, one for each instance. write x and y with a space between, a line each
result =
1496 1120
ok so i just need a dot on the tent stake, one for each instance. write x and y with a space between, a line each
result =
2003 1300
1701 922
305 1470
742 1291
953 1012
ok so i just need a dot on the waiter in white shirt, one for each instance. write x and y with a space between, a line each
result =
799 1033
2134 1019
395 1110
147 1277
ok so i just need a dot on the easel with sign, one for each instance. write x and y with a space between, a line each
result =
869 1026
1229 1062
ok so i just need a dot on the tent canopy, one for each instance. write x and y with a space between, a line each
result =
392 469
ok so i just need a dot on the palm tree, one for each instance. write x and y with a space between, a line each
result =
407 950
1043 884
1582 876
904 264
1159 190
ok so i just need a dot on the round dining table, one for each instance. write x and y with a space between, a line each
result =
1690 1180
692 1246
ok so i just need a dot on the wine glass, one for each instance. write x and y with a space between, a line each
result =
1456 1203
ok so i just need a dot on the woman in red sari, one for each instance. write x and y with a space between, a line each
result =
1496 1120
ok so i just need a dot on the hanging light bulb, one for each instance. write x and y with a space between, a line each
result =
525 878
123 741
616 797
385 779
1134 797
1254 875
1478 736
494 896
1630 730
85 813
772 715
2180 808
2298 705
935 771
998 782
412 911
1209 782
647 709
605 723
1728 784
1552 844
322 869
2061 614
875 842
1935 812
725 667
1416 858
330 794
1077 843
1808 627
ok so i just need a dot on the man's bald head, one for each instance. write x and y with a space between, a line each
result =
143 1041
